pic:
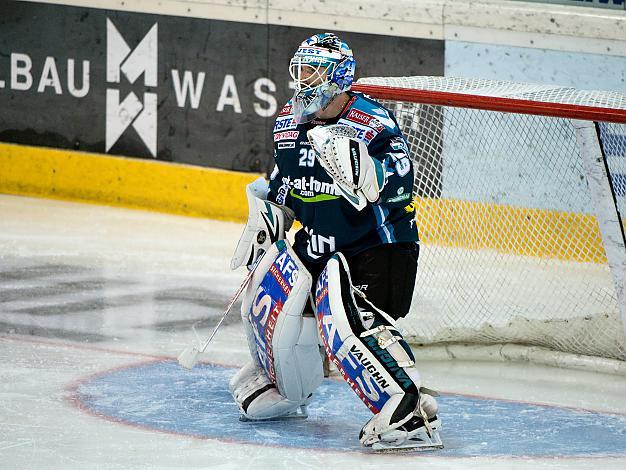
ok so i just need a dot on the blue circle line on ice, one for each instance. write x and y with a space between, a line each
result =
164 397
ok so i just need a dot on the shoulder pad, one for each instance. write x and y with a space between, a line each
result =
369 119
368 112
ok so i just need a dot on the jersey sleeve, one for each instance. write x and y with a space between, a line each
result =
279 187
391 150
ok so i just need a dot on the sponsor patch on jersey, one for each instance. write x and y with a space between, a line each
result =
285 123
360 117
363 133
286 111
399 198
310 186
286 145
383 116
281 195
410 207
307 189
287 135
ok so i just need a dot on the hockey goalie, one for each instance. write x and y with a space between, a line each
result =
342 169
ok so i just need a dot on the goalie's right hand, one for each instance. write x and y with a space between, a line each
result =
267 223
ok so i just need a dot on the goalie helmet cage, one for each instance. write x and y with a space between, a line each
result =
518 194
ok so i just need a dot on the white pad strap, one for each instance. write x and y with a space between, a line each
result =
346 159
267 223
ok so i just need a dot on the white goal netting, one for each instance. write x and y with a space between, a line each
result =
511 250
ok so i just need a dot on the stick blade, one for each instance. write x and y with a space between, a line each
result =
189 357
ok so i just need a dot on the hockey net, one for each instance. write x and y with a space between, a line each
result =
512 251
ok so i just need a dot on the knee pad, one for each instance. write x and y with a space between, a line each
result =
368 350
283 344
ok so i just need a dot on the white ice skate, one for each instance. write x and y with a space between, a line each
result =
413 436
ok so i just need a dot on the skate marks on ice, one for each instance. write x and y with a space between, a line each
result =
163 397
98 303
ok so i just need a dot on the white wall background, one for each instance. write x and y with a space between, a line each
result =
524 64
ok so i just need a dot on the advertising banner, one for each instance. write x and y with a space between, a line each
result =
195 91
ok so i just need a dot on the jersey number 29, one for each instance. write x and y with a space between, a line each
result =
307 157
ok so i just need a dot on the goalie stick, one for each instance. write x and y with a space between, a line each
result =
189 357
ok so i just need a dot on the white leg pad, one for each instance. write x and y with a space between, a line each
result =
286 364
369 351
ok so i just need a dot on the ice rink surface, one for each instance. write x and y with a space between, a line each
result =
96 303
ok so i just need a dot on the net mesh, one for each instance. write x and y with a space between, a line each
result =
510 249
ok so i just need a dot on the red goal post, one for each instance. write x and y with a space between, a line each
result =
519 190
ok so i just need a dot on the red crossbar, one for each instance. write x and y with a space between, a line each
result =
491 103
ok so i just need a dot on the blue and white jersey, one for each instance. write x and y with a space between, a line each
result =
330 223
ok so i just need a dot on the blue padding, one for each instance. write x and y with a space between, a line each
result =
166 397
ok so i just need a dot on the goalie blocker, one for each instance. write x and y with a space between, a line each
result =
267 223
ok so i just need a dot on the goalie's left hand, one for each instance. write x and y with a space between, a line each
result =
346 159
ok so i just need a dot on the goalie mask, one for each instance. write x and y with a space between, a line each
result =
322 68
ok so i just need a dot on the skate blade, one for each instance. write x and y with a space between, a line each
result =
300 414
245 419
412 445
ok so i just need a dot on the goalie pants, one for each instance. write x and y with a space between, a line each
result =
385 273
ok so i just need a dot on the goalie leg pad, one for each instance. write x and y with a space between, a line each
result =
372 357
284 345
